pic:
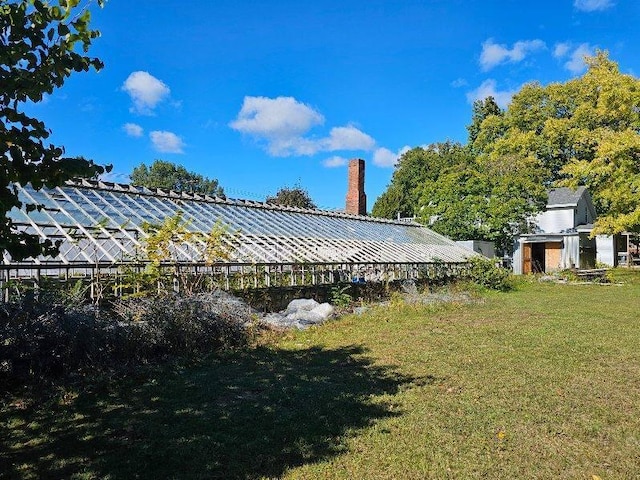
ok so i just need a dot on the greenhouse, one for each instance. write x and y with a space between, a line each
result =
104 227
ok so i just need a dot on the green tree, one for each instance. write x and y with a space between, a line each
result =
611 169
481 110
292 197
490 201
163 174
415 168
38 52
463 196
582 132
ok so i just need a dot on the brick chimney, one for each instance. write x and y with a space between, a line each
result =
356 198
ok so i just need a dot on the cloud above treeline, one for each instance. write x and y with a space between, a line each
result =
494 54
145 91
275 118
166 142
133 129
489 88
335 161
283 126
573 56
383 157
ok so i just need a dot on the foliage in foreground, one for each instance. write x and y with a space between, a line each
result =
38 52
43 340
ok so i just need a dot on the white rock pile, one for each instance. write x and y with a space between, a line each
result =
300 313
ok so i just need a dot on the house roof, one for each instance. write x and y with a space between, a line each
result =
564 196
99 221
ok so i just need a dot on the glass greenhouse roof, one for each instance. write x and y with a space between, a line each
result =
103 222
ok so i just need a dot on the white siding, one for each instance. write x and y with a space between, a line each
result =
571 252
517 258
605 250
585 212
556 220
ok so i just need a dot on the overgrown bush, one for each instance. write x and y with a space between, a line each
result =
40 340
484 272
340 297
192 325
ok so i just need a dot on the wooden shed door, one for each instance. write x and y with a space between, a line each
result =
552 256
526 258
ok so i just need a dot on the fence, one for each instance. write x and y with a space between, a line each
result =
105 280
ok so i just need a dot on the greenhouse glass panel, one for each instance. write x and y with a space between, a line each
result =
103 222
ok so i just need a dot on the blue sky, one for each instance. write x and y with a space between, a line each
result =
265 94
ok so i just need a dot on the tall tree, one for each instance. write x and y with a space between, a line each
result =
465 197
38 52
292 197
415 168
491 201
481 110
163 174
582 132
611 170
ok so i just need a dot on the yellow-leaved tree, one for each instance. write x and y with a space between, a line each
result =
585 131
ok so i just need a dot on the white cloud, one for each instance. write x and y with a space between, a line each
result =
494 54
335 161
488 88
275 118
576 63
133 130
284 147
282 124
146 91
592 5
576 55
347 138
166 142
383 157
561 49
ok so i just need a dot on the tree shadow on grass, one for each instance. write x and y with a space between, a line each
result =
247 415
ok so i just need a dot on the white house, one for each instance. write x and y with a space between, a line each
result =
561 236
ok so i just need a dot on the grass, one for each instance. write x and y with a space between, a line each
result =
541 382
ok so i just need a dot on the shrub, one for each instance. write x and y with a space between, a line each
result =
48 340
340 298
192 325
483 271
43 340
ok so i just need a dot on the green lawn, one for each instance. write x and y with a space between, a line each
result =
542 382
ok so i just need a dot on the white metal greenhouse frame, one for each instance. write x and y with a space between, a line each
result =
100 226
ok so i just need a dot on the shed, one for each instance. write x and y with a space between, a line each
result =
560 237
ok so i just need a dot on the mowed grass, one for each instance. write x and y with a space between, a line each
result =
541 382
